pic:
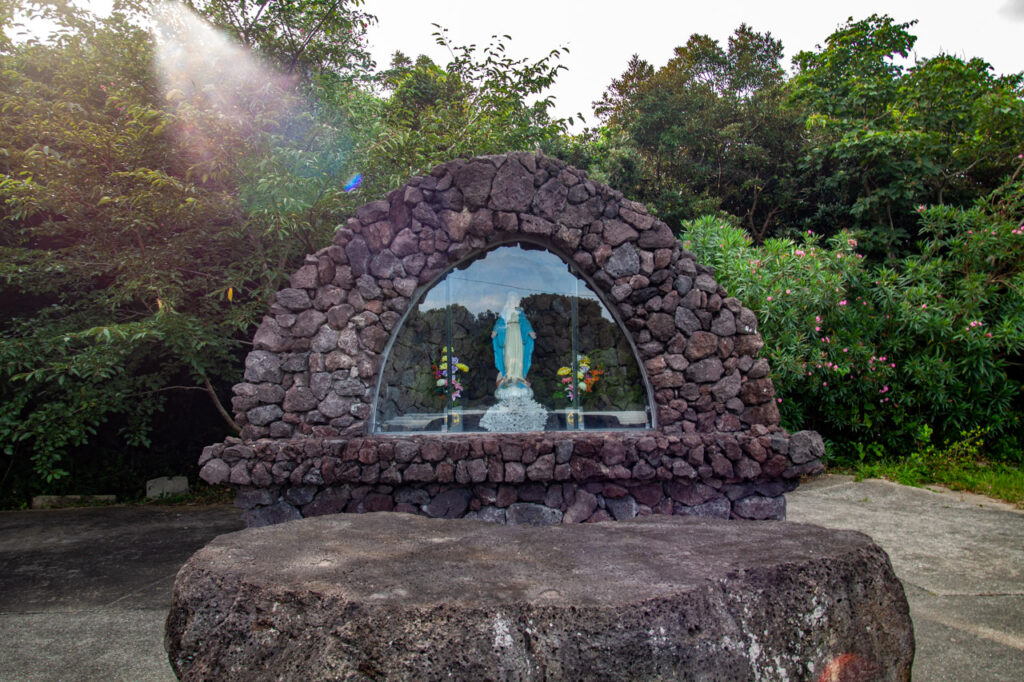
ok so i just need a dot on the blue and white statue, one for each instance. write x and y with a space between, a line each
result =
512 339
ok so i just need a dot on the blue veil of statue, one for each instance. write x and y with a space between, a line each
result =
525 329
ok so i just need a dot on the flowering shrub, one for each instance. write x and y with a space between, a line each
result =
871 353
447 371
587 376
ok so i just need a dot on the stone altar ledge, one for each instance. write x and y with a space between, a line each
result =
396 596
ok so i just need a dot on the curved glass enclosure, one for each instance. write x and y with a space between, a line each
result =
511 341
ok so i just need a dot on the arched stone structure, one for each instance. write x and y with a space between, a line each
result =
715 446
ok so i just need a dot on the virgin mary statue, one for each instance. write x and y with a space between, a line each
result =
512 339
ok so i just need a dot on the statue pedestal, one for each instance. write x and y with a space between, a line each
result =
516 410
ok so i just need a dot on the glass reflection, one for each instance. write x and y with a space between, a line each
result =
512 341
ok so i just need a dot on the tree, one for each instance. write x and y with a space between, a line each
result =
706 132
482 102
886 139
614 105
133 263
305 36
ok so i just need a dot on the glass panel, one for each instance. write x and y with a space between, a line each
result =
531 348
410 399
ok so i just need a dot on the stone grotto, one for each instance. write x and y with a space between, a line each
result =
507 340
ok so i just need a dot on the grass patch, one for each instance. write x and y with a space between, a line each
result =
958 465
1001 481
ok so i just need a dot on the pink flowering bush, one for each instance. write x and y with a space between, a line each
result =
873 353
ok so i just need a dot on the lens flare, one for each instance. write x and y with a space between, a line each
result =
354 182
240 121
219 90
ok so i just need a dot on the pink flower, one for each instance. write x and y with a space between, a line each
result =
842 302
769 298
788 291
800 253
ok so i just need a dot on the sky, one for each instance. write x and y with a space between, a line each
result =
602 35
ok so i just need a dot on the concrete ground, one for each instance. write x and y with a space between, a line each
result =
961 560
84 592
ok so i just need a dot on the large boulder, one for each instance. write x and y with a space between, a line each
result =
395 596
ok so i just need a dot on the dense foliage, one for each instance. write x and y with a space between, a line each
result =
875 355
884 139
706 132
853 141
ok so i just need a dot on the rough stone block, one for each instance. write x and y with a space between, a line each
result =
166 485
528 513
273 515
725 600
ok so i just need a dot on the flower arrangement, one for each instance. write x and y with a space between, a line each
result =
587 375
447 369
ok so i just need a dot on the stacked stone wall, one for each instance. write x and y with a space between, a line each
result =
307 398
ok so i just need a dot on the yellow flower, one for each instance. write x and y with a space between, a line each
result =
564 371
462 366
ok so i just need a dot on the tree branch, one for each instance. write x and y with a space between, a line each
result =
220 408
206 388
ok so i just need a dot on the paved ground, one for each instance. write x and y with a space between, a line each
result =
961 560
84 592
